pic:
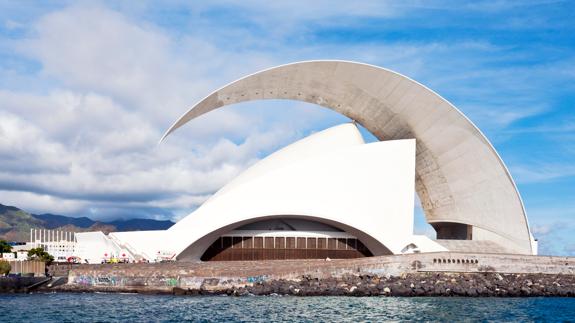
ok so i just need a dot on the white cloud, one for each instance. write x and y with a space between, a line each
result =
101 168
41 203
553 237
503 115
12 25
111 81
539 173
541 230
90 48
89 142
23 147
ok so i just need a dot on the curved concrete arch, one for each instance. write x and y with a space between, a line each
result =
194 251
460 178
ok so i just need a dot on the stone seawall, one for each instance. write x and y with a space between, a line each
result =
442 273
18 284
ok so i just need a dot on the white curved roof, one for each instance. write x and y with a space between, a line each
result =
459 175
334 138
331 177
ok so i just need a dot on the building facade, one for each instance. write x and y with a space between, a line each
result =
333 195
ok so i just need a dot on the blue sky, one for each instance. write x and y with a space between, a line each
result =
88 88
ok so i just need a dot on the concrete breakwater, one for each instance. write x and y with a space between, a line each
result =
434 274
414 284
19 284
419 284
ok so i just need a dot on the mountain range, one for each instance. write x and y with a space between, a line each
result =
15 224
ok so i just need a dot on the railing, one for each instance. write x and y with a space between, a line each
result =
125 245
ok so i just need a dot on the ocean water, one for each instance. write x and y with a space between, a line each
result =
155 308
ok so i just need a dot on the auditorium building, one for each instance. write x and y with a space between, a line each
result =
332 195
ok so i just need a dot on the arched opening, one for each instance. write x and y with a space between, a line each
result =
283 238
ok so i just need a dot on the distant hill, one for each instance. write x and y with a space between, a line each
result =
15 224
53 221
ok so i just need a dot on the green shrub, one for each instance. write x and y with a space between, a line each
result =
40 254
5 267
5 247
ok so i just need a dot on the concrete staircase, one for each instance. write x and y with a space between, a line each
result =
128 248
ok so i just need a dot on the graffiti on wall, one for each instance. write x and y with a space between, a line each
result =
87 280
256 279
188 282
84 280
169 281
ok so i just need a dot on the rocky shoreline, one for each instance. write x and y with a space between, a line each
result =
427 274
412 284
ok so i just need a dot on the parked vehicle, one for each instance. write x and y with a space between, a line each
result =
74 260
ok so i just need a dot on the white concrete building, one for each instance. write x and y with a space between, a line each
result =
8 256
333 195
58 243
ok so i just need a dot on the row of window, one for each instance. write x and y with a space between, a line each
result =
281 248
289 243
455 261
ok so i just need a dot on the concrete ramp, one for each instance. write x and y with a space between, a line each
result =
474 246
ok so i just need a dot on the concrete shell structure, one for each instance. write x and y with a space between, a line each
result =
332 178
338 196
463 184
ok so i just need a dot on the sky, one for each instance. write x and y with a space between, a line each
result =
87 88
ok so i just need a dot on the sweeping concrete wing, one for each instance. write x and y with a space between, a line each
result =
460 179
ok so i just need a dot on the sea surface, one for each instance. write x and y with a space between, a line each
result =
157 308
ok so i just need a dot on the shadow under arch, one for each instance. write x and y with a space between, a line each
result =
195 250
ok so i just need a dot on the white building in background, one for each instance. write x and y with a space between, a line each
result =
60 244
15 255
9 256
92 247
333 195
